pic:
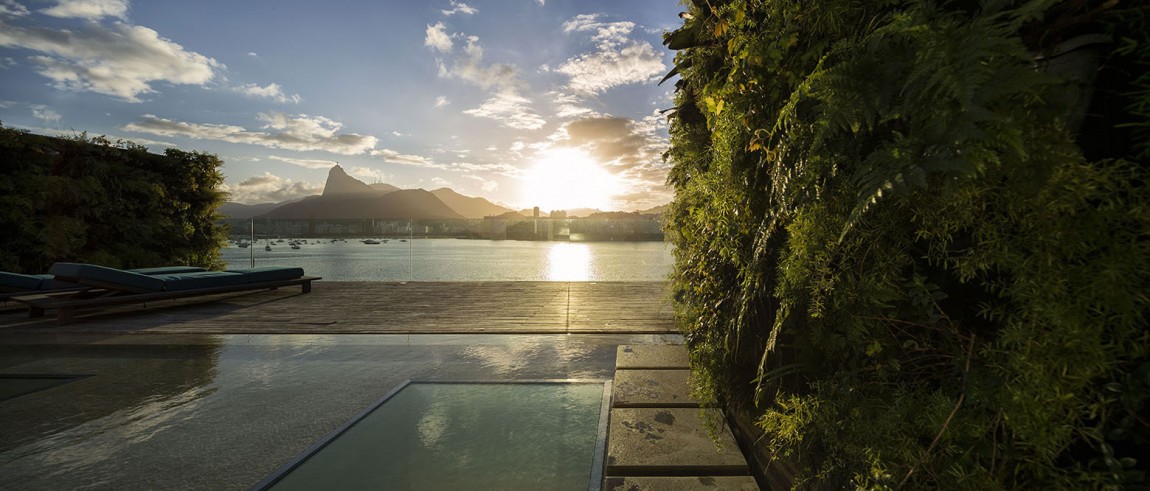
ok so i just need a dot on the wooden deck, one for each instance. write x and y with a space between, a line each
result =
387 308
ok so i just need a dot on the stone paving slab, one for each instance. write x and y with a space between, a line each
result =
669 441
647 483
652 356
653 388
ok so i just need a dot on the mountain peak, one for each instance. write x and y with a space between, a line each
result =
341 184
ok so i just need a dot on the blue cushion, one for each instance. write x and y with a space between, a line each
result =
51 283
168 270
17 281
269 273
103 274
202 279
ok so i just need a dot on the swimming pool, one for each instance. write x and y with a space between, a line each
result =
482 435
225 411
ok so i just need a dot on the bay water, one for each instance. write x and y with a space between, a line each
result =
437 259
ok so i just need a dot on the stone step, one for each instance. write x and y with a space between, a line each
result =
692 483
652 357
670 442
653 388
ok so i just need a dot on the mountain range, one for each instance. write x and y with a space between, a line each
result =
345 197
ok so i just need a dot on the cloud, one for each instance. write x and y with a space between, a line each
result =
612 33
437 39
297 132
497 168
44 114
619 142
441 101
370 174
9 8
270 188
441 182
633 149
510 110
395 157
567 106
88 9
460 8
119 60
468 65
306 163
485 184
618 60
271 91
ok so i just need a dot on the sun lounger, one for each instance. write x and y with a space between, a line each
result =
118 287
15 284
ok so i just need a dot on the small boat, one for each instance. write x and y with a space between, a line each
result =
295 246
370 241
403 240
268 247
244 244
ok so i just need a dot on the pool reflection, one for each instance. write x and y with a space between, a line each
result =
569 262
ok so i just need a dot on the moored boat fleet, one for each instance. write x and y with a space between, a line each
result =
299 243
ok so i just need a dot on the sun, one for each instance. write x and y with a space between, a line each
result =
568 178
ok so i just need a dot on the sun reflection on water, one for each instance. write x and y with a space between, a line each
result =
569 262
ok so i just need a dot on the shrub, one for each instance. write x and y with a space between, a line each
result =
890 243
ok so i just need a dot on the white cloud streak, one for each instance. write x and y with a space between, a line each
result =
271 91
270 188
395 157
510 110
119 60
306 163
460 8
618 60
436 38
291 132
43 113
486 185
88 9
9 8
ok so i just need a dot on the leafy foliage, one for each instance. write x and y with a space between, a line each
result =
92 200
889 242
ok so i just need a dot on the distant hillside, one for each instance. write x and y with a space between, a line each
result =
383 188
658 210
341 184
468 206
240 210
407 203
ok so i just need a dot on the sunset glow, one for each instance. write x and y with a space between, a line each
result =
566 178
470 95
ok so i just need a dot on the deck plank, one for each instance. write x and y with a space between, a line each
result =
390 307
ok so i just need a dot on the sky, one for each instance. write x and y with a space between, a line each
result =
550 103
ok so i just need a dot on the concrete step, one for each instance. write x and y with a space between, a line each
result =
670 442
653 388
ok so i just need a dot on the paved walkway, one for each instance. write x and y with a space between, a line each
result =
333 307
658 439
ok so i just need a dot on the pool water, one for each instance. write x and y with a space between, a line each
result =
463 435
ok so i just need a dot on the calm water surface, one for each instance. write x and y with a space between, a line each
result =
465 260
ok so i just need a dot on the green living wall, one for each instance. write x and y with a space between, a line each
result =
90 200
912 236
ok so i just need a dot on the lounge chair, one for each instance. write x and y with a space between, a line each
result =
16 284
118 287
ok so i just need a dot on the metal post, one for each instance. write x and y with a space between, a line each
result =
252 243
